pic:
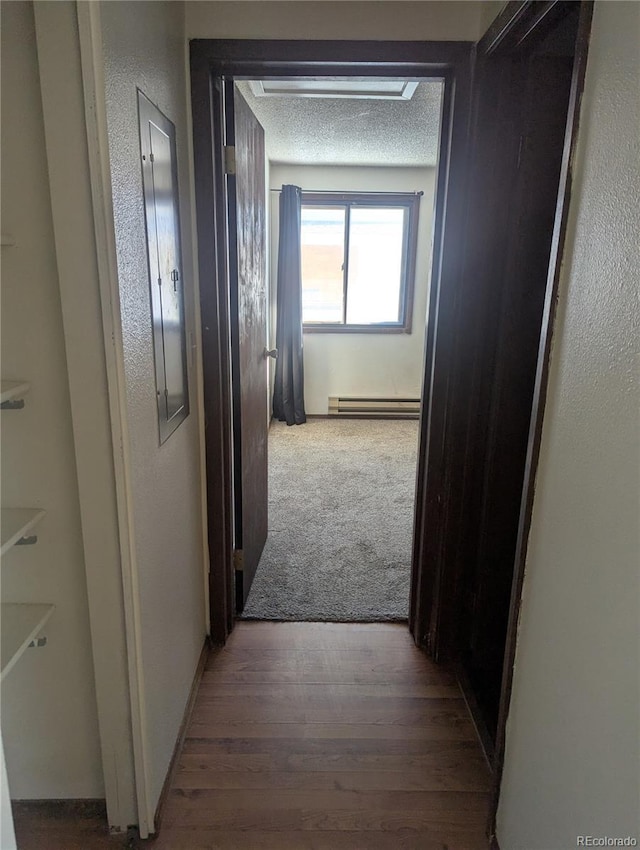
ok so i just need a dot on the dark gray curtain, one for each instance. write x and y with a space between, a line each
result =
288 393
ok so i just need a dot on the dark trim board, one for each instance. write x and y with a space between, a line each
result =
437 519
517 21
481 728
270 59
79 809
208 129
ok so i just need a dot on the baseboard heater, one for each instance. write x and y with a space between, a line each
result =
374 408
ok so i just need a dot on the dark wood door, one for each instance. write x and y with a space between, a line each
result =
526 99
247 265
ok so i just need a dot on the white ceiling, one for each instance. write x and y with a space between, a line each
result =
341 131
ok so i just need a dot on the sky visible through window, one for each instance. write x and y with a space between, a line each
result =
375 264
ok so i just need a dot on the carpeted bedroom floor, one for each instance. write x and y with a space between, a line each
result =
341 496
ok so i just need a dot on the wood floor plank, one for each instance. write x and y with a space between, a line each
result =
376 778
328 761
405 657
461 731
356 674
204 839
454 803
285 691
357 813
404 711
332 747
313 697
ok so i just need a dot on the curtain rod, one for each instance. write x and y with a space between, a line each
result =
349 192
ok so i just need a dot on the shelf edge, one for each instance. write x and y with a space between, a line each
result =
32 632
37 515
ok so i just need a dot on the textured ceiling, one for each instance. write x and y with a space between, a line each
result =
318 131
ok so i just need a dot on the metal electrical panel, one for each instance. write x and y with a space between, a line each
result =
162 215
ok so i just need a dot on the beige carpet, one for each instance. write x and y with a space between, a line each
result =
341 496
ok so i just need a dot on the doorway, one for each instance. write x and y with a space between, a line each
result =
342 471
477 288
211 62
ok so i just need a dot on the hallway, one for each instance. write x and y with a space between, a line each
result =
327 737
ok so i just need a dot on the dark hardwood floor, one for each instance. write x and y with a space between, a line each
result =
64 825
326 736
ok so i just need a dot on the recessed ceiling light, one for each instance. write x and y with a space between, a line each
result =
356 89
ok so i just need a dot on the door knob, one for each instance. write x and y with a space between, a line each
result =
270 352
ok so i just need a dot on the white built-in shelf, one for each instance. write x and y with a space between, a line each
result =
6 241
12 390
15 523
20 623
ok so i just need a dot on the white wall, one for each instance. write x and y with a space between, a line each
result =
393 21
67 146
144 47
573 736
49 719
362 364
7 834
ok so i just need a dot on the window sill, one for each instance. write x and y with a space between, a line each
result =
355 329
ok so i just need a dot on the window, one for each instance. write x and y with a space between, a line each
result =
358 262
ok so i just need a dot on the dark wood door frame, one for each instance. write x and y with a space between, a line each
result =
213 260
513 26
213 62
447 467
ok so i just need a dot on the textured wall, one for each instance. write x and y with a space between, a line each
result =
144 47
397 21
49 721
361 364
572 758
